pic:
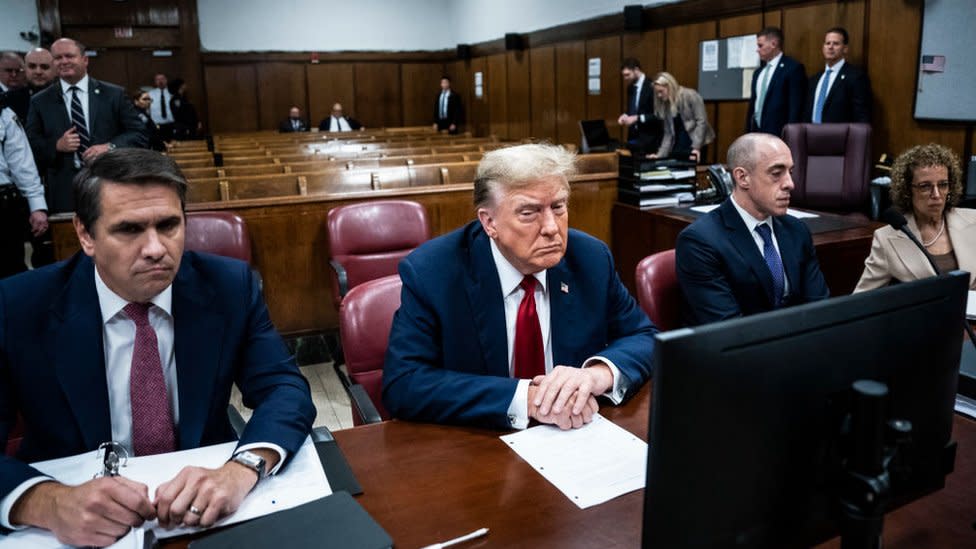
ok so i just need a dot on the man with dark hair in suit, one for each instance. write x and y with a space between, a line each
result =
644 130
74 121
514 317
448 113
136 341
294 122
841 92
748 256
778 87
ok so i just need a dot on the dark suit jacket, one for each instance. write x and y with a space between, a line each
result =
52 362
447 360
723 274
327 121
849 99
286 127
785 96
644 136
455 113
111 119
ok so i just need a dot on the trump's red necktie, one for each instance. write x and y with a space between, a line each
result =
152 419
530 358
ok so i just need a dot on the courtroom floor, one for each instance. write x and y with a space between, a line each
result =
331 401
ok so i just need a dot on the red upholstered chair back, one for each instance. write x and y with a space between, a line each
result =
658 291
365 318
832 164
13 438
221 233
368 239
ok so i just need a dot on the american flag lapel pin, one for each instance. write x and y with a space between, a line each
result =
563 287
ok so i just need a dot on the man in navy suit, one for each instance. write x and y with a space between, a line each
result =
778 87
63 138
747 256
514 317
644 130
137 342
841 95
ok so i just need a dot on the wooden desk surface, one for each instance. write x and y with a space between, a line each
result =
427 483
637 233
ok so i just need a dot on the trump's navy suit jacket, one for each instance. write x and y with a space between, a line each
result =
723 274
447 360
785 98
52 362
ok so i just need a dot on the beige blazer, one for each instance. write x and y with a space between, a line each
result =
691 109
894 256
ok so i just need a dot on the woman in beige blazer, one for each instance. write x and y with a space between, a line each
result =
686 126
926 184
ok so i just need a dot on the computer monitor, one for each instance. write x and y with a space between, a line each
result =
744 430
596 137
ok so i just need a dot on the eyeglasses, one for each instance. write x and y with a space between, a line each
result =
929 188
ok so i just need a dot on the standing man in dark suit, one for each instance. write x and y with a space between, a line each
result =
75 120
840 93
515 317
448 114
778 87
644 130
294 122
138 342
748 256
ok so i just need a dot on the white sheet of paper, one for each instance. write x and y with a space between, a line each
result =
709 53
747 83
971 305
790 211
301 482
590 465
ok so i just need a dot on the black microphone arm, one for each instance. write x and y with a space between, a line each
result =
898 222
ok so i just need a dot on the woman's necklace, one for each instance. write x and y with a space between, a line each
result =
934 239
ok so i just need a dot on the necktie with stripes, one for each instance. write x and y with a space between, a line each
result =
78 120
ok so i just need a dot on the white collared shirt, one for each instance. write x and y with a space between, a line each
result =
637 92
82 92
512 292
833 78
339 124
159 96
771 68
751 224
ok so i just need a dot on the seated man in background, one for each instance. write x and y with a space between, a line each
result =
339 123
294 122
747 256
515 317
138 342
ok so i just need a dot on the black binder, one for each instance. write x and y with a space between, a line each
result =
335 521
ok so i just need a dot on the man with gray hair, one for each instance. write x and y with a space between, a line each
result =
748 256
11 71
515 317
39 75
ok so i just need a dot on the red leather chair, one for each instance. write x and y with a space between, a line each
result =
218 232
368 239
831 166
365 318
658 291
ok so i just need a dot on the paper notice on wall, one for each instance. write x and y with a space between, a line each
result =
709 56
593 67
593 86
741 53
747 83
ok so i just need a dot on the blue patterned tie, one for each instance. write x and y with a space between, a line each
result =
821 98
78 121
774 262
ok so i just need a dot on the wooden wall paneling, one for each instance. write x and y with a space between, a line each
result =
143 66
48 21
329 83
111 66
681 58
459 71
145 13
895 30
420 86
730 117
378 99
478 121
607 105
804 27
649 48
570 90
543 92
142 37
280 86
519 94
496 89
191 65
773 18
232 97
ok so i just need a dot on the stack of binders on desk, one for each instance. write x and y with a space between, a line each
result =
647 182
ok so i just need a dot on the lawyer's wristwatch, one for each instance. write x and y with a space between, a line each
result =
251 461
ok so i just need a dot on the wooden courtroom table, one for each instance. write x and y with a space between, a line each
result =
427 483
842 243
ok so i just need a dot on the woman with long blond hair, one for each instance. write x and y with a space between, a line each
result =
686 129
